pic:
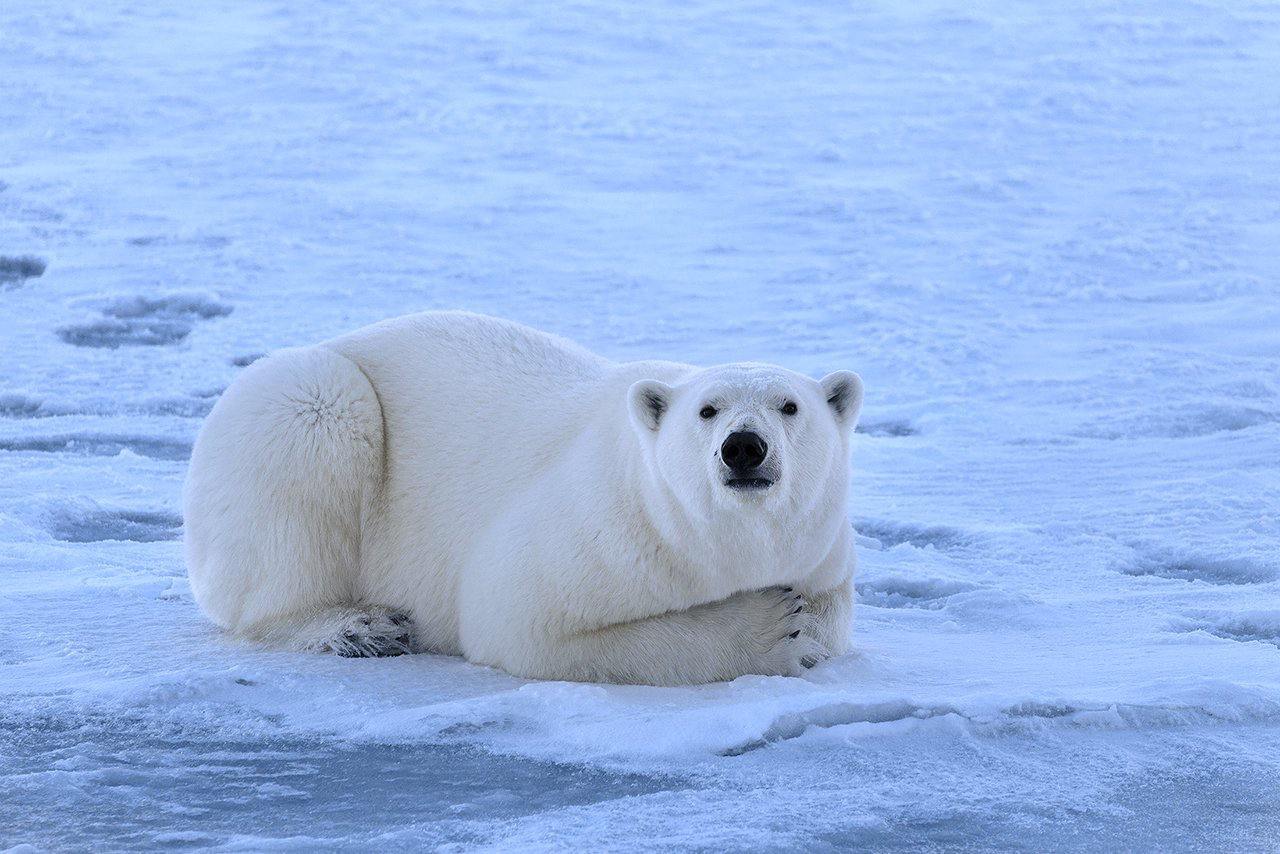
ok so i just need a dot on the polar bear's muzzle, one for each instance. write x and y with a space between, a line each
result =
746 456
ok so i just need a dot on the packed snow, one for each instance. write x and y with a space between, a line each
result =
1046 235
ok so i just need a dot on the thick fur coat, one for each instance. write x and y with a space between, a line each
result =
460 484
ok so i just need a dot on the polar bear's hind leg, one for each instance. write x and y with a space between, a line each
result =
368 631
284 474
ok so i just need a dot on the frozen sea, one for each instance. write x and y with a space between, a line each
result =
1047 236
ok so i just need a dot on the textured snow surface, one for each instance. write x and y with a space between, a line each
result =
1047 236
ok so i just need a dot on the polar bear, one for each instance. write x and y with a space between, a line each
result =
459 484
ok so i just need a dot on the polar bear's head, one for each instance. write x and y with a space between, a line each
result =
748 438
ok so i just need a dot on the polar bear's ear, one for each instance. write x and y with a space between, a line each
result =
648 401
843 390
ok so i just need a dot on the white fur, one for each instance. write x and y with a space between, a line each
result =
530 505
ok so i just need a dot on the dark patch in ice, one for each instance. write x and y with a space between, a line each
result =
101 445
1264 628
20 406
108 333
183 407
1183 423
197 405
215 241
892 534
196 306
144 321
1038 709
247 360
92 783
1208 570
98 525
14 270
897 592
886 428
1247 632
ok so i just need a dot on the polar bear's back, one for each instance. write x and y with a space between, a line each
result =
474 393
465 335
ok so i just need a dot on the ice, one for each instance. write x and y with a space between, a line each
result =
1046 236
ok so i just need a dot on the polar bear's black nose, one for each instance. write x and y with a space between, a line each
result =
743 451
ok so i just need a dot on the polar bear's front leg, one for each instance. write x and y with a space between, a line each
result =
766 632
832 615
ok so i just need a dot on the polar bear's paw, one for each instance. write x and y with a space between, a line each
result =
370 632
784 638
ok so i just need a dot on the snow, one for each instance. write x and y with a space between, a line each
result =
1047 236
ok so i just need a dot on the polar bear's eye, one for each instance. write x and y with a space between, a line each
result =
789 408
708 411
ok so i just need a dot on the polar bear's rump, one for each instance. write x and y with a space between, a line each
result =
281 477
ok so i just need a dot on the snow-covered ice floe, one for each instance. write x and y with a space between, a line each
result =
1046 237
